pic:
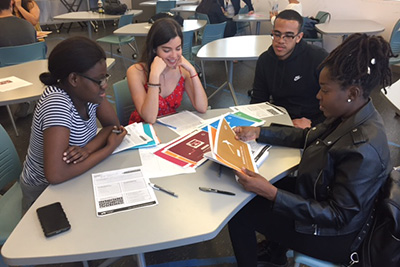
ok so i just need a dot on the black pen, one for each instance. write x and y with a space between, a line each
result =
116 131
159 188
207 189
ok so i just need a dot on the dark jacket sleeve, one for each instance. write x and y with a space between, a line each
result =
249 4
216 15
261 91
283 136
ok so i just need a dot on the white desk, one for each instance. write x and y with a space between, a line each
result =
248 47
393 96
185 8
89 16
30 72
142 29
193 217
178 2
257 17
347 27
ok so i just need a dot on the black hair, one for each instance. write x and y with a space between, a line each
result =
361 60
76 54
289 14
5 4
161 32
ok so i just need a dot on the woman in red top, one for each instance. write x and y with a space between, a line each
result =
157 83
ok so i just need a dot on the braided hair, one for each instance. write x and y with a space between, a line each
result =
361 60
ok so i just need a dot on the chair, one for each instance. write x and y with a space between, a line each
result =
241 26
211 32
187 45
395 43
300 258
322 17
165 6
201 16
12 55
11 201
123 101
121 40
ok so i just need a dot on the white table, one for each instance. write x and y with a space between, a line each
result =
257 17
248 47
178 2
29 72
393 96
185 8
142 29
347 27
89 16
193 217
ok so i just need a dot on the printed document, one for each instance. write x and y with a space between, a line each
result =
11 83
261 110
182 122
122 190
135 137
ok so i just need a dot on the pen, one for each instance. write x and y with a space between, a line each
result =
207 189
159 188
119 131
131 171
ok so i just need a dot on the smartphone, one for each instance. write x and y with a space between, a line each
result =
53 219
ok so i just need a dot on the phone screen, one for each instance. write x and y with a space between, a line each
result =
53 219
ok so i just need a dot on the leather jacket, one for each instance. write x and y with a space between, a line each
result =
344 163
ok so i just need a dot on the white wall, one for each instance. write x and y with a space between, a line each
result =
386 13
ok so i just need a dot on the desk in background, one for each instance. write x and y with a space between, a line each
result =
89 16
185 8
142 29
257 17
248 47
178 2
193 217
347 27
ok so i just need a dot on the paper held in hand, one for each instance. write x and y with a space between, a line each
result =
226 150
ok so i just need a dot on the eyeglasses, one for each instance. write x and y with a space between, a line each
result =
101 82
279 35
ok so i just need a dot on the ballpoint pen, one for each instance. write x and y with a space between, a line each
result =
207 189
159 188
116 131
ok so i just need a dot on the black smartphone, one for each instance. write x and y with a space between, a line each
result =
53 219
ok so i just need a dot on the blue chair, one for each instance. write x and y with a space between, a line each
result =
300 258
11 201
322 17
121 40
12 55
395 43
241 26
165 6
187 45
211 33
123 101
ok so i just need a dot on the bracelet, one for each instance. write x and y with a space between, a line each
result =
194 75
155 85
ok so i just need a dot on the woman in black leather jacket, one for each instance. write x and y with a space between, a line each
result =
344 163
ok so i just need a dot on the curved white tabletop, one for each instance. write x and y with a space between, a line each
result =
185 8
347 27
92 16
246 47
178 2
193 217
257 17
142 29
30 72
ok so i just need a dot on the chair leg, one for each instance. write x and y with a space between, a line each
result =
12 120
111 51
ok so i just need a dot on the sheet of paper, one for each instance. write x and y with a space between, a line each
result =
153 166
182 122
261 110
11 83
122 190
135 137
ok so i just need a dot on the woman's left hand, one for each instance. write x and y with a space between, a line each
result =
75 154
255 183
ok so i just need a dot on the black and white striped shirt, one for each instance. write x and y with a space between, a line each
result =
55 108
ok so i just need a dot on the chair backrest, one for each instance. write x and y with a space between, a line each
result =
323 16
123 101
165 6
213 32
125 20
395 39
202 16
187 45
10 166
12 55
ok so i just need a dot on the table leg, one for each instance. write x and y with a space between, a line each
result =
89 26
12 120
229 76
141 261
258 26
